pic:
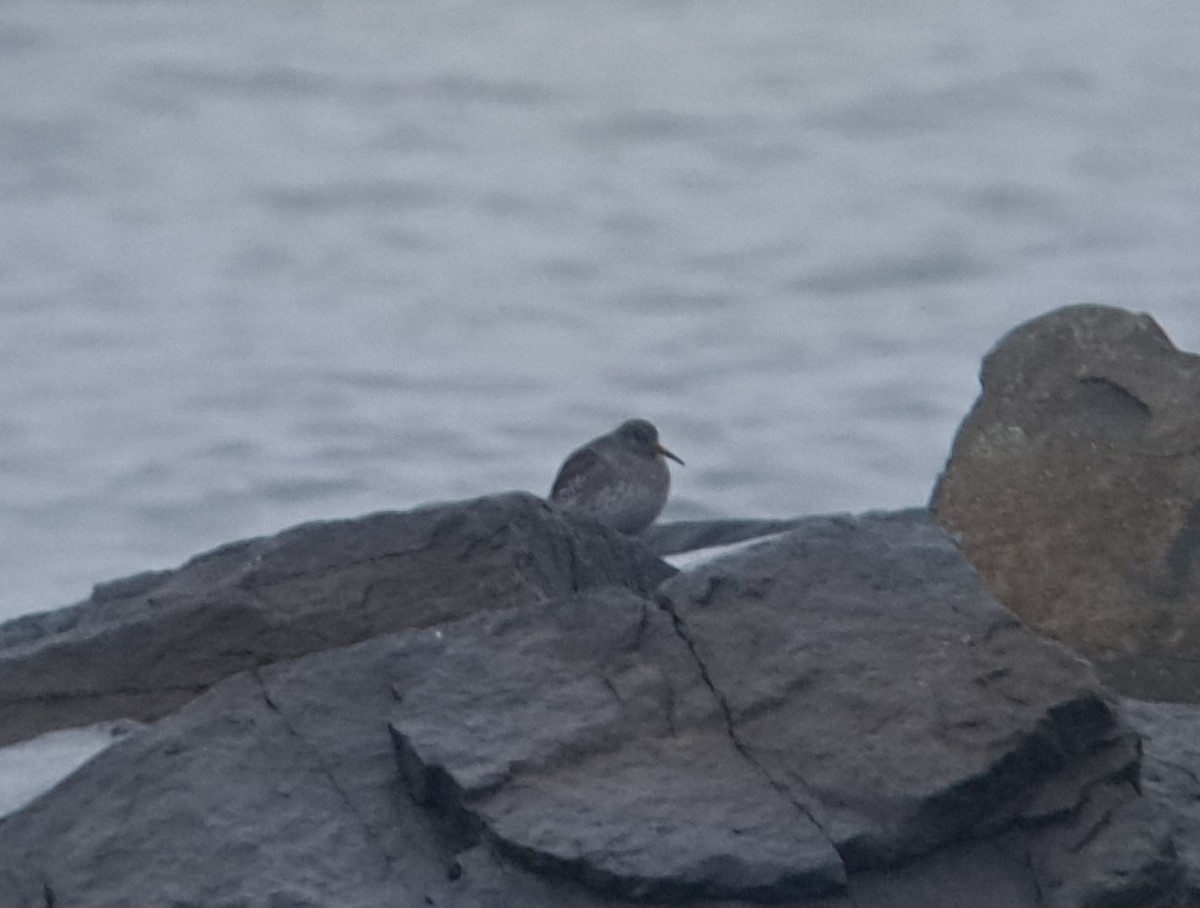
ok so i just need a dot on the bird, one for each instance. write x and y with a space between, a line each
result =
619 479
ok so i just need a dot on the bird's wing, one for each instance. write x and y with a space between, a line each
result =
581 470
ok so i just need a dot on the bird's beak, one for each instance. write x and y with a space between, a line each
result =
665 453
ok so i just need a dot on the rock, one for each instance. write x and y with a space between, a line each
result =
585 742
1074 487
144 645
1170 733
840 717
242 798
869 675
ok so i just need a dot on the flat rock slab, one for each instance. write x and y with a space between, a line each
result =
840 717
1074 485
584 741
868 673
277 787
144 645
853 693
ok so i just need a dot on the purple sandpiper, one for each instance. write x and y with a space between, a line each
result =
619 479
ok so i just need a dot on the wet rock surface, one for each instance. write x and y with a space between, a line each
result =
1074 486
144 645
840 716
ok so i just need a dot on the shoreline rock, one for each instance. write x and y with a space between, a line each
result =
1074 487
839 716
144 646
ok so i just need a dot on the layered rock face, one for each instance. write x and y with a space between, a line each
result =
1074 488
142 646
840 716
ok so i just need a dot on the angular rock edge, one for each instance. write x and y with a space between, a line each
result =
1054 766
839 716
144 645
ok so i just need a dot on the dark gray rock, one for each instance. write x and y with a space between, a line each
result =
585 742
1171 773
841 717
276 787
1074 485
144 645
868 673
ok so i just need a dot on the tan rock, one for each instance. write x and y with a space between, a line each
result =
1074 486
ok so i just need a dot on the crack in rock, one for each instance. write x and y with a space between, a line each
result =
566 753
372 837
1090 834
1180 768
1034 877
730 729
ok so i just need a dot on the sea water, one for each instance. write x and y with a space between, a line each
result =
264 262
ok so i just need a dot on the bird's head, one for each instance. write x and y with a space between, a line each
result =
644 436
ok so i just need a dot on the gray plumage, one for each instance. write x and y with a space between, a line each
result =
620 479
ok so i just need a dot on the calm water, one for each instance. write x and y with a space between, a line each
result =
268 261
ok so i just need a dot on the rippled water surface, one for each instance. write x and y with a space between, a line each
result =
269 261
